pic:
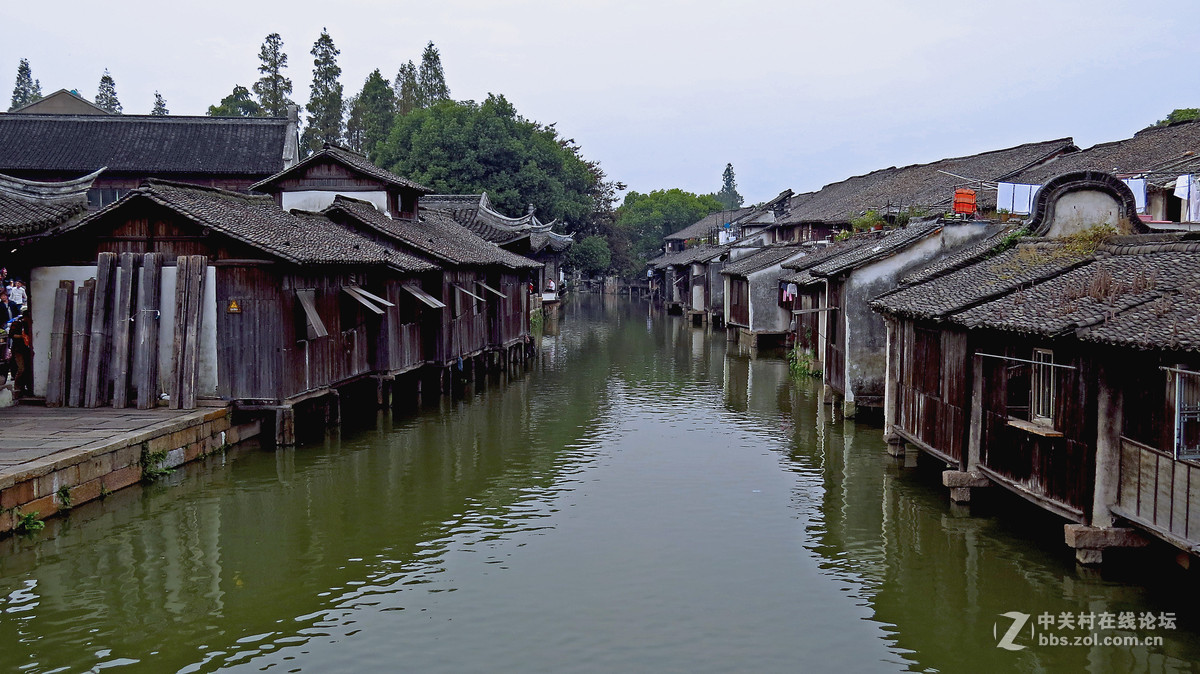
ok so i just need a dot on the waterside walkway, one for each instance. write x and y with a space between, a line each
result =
54 458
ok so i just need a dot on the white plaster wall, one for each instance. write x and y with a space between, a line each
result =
44 282
1077 211
317 200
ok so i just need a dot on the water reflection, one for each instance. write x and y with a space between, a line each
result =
643 498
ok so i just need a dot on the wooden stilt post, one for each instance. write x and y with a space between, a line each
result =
285 425
145 354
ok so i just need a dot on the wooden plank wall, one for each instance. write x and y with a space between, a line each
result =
739 301
1159 490
190 271
835 341
934 388
402 344
264 327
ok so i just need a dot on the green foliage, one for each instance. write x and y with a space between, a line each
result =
160 106
106 95
801 363
648 218
27 90
904 217
431 78
324 120
273 88
728 196
843 235
867 221
467 148
1180 115
152 464
371 114
27 522
1009 240
408 92
591 256
536 320
64 497
236 104
1086 241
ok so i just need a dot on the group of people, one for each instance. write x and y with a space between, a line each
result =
15 333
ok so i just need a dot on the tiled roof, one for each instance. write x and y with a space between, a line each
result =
800 268
964 256
348 158
142 144
298 237
475 212
892 242
436 235
769 256
983 281
22 217
709 223
927 186
1145 151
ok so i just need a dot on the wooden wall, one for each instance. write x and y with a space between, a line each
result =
934 391
739 301
508 316
835 339
465 324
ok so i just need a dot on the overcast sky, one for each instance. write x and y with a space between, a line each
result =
664 93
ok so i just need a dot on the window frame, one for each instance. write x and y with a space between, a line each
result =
1043 387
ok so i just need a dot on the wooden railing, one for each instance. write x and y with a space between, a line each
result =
1155 489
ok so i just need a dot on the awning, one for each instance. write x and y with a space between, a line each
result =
488 287
424 296
373 297
481 299
362 299
307 299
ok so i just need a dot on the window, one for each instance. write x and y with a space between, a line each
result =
1041 387
1187 414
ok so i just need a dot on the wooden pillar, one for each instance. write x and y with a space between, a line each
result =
60 345
333 408
145 349
1109 417
98 388
123 317
81 328
975 436
285 425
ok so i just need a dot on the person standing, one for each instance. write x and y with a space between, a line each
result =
17 296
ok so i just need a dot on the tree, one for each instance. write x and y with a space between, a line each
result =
27 90
648 218
467 147
371 115
236 104
590 256
1180 115
431 79
273 88
324 123
106 96
728 196
160 106
408 92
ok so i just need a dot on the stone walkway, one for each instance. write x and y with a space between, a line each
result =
29 433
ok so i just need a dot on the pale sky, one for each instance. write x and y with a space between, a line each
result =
664 92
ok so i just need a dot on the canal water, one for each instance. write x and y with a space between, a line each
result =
644 499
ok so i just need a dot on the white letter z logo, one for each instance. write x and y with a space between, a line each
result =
1006 642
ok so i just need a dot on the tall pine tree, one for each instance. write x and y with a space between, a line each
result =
371 115
106 96
431 79
324 123
273 88
27 89
728 196
160 106
408 92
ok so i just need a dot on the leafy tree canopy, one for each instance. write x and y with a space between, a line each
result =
466 147
649 218
1180 115
106 95
27 90
236 104
273 88
371 115
590 256
728 196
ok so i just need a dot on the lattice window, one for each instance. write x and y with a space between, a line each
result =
1042 387
1187 414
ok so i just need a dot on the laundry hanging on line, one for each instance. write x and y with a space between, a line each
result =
1016 198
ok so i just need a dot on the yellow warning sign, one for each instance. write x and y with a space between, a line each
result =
234 307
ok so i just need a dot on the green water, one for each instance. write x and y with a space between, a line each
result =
644 499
